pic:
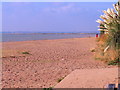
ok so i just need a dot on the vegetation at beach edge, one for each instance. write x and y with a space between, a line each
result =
108 43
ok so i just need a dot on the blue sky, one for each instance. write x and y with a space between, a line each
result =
59 0
52 16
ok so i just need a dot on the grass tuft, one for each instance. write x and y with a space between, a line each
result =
25 53
60 79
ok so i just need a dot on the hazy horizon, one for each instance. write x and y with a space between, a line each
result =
52 17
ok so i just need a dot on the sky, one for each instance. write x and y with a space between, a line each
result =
52 16
59 0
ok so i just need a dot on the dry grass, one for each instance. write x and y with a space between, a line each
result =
108 56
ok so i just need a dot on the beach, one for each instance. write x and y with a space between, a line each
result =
41 63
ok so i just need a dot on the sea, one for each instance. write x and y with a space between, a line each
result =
11 37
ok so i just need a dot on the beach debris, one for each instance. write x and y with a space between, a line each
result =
118 86
110 86
113 86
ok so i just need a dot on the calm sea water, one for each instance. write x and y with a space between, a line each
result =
8 37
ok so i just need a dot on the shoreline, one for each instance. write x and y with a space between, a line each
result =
44 39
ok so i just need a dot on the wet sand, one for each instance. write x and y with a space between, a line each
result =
47 61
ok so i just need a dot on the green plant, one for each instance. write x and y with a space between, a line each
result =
25 53
114 62
110 30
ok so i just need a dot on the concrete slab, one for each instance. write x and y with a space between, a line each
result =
89 78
